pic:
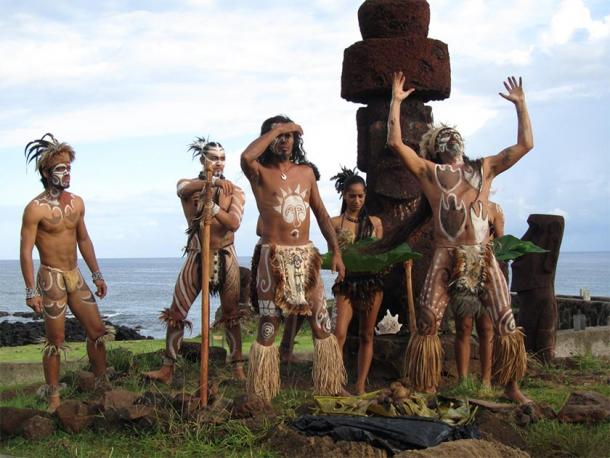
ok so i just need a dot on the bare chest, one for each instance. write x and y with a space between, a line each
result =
458 197
58 215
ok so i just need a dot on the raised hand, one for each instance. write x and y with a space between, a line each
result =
288 127
515 90
398 84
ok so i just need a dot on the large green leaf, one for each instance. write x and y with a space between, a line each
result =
509 248
357 260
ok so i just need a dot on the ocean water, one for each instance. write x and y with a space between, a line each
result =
138 289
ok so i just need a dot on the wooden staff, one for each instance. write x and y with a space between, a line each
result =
410 302
206 220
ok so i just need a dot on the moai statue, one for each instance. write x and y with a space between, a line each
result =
534 282
395 39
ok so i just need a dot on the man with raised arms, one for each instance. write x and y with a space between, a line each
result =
227 209
457 189
54 221
288 273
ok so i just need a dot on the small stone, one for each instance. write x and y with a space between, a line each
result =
585 407
76 416
85 381
13 419
37 428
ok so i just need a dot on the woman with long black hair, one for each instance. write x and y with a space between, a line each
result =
356 293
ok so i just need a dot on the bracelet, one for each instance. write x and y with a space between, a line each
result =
31 293
95 276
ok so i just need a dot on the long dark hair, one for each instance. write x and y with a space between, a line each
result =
343 181
298 155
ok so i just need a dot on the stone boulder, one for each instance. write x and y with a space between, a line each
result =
585 407
37 428
76 416
394 18
13 419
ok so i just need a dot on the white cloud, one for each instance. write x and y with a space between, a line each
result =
572 16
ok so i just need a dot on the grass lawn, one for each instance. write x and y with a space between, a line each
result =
32 353
178 437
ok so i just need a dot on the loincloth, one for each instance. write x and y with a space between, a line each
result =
66 280
469 274
219 262
288 277
360 290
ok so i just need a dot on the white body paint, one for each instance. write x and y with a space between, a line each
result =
292 205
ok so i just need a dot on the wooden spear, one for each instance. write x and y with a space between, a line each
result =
206 220
410 302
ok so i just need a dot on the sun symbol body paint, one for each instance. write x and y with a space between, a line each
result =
292 205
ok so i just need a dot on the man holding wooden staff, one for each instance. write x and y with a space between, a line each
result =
284 184
226 211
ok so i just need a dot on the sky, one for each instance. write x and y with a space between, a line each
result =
129 84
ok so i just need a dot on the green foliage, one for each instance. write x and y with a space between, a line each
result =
509 248
356 258
554 439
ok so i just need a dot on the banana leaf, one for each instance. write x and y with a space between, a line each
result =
356 259
509 248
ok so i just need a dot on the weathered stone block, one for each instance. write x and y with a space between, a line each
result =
13 419
76 416
368 67
394 18
38 428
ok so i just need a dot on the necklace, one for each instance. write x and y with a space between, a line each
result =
351 219
283 174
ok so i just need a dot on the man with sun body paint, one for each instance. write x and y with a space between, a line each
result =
288 273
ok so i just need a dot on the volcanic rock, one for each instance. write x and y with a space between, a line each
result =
394 18
37 428
13 419
368 67
585 407
76 416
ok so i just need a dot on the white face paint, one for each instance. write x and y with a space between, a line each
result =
292 206
60 175
282 144
450 141
215 158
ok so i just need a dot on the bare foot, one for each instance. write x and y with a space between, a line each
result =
427 390
238 372
485 387
513 393
54 402
163 375
345 393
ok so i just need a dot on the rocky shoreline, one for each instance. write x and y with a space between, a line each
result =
16 333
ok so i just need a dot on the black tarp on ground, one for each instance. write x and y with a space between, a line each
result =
391 434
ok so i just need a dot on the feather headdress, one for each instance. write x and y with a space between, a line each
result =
200 147
44 149
427 144
343 177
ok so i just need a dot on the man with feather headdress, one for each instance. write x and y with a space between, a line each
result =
227 209
463 268
54 221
